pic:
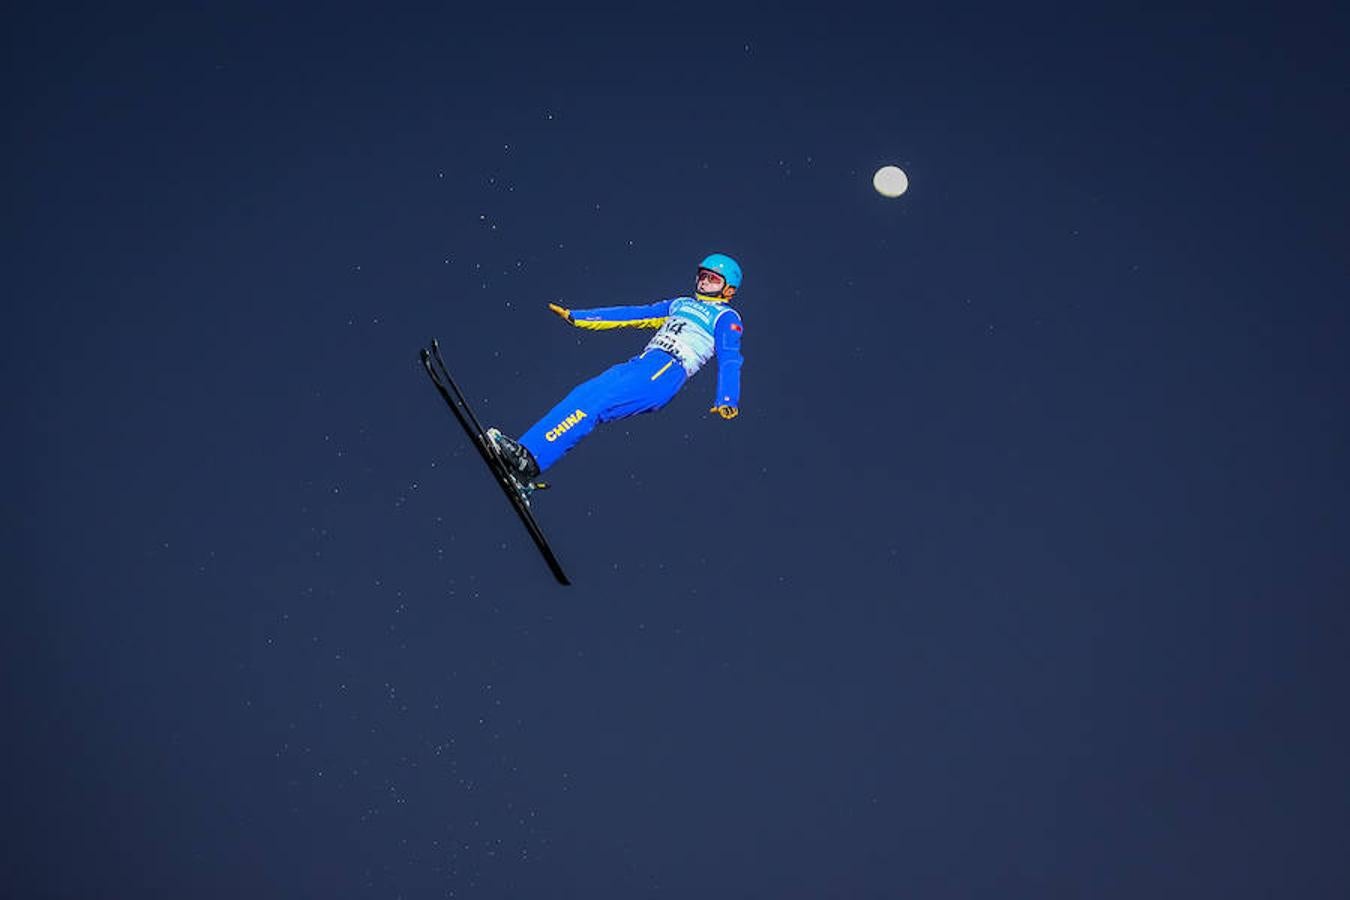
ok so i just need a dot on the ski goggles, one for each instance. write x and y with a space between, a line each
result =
710 282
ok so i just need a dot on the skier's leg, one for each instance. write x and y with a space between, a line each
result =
627 389
575 416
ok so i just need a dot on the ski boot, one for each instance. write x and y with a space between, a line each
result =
518 461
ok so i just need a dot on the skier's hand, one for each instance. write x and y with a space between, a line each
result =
725 411
564 313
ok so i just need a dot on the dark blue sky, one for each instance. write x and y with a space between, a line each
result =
1022 573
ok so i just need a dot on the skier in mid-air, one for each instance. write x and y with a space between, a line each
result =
690 331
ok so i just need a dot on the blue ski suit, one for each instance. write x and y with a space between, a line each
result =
689 333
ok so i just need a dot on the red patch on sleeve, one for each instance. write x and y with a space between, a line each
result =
736 326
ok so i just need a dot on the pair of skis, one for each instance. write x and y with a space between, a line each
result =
516 491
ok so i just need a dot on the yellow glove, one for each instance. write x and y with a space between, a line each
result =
565 313
726 412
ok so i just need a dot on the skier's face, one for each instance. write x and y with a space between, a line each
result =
710 283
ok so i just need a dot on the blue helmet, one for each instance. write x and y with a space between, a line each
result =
725 266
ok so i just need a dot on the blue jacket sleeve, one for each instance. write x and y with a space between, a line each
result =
602 317
728 343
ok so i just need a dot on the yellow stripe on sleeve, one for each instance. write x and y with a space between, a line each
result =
603 325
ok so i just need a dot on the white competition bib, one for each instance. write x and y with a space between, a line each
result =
688 332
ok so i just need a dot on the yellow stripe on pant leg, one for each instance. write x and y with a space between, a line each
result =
661 371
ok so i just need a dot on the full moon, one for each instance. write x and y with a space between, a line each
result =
890 181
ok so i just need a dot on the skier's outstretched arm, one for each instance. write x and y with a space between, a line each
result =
652 315
727 403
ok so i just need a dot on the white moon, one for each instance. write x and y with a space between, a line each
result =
890 181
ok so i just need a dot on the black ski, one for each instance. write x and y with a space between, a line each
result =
517 493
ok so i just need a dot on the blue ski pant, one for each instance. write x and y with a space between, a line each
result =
642 384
